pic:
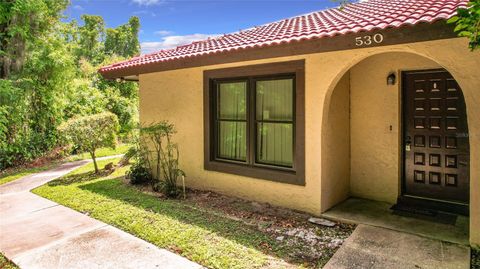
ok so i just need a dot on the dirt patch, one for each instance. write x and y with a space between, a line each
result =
302 242
308 243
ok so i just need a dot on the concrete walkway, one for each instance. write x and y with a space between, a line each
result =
373 247
38 233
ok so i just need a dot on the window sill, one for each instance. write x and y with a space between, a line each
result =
271 174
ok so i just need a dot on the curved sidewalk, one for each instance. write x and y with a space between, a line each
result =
38 233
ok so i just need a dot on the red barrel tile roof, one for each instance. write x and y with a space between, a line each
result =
363 16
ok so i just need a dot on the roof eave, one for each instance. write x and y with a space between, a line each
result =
392 36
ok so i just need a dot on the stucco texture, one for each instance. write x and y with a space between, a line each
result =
375 124
338 159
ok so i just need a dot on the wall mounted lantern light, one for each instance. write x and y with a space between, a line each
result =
391 79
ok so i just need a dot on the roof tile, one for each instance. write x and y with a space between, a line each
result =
354 18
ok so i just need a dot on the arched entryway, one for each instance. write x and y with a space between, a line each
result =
368 122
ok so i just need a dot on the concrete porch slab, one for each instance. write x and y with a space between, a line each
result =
373 247
362 211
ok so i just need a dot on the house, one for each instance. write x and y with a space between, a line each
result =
379 100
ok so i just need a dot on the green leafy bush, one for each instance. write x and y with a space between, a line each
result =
88 133
159 155
139 174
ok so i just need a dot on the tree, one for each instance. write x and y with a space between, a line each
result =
123 40
22 21
468 23
89 133
48 74
36 68
90 38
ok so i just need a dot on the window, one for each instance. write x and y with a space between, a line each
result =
231 121
274 121
254 123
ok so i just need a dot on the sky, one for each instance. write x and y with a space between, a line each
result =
169 23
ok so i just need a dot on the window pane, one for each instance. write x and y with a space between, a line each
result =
232 140
275 143
232 100
274 99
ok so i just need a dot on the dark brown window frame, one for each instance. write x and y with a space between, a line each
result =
295 175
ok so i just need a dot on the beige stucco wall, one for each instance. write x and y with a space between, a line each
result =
375 106
336 138
177 95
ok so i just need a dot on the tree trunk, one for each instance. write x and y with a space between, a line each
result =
94 161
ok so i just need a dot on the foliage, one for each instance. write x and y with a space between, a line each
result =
101 152
139 174
475 262
6 263
89 133
468 23
49 75
160 155
90 37
122 40
37 69
21 22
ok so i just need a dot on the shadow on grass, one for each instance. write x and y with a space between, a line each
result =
79 178
230 229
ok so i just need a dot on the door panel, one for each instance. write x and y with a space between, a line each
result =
436 146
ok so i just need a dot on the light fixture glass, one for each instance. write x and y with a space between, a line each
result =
391 79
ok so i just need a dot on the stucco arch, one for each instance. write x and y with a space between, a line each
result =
453 56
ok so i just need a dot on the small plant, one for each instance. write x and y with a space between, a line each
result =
163 158
139 174
89 133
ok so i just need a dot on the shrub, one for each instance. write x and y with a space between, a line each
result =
163 158
89 133
139 174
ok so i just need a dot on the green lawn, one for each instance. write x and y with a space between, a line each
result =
206 237
6 264
16 173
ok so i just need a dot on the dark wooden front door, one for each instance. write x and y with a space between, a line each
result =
435 146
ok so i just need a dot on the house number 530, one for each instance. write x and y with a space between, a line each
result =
368 40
